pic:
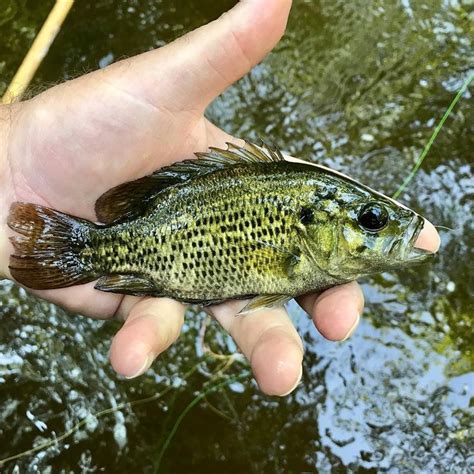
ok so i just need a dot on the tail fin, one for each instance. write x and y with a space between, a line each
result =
47 254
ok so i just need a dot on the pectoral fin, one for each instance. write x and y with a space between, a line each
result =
128 285
264 302
285 260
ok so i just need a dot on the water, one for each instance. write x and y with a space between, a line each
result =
357 86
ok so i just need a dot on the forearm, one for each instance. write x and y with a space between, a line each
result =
5 188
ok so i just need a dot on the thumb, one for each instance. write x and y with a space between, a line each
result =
190 72
220 53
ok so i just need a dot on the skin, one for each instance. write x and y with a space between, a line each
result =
68 145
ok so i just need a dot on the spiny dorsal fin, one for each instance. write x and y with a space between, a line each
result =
134 198
235 155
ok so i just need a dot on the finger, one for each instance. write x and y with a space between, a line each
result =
83 299
429 238
203 63
269 341
335 312
152 325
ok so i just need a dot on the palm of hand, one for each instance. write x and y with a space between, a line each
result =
66 155
77 140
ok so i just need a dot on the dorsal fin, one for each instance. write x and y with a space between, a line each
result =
133 198
234 155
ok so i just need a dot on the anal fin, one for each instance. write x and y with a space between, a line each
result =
128 284
264 302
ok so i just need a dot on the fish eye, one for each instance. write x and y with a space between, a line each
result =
373 217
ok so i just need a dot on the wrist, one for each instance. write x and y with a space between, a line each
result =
5 188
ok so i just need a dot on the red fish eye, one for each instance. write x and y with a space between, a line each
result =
373 217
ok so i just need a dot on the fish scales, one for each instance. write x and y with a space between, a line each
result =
217 248
235 223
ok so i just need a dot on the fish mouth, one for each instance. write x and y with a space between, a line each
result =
405 246
415 254
418 255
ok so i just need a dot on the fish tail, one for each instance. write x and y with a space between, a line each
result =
48 249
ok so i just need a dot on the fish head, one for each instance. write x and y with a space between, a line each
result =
367 233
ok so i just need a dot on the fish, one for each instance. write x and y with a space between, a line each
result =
235 223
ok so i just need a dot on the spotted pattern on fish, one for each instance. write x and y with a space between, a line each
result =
232 224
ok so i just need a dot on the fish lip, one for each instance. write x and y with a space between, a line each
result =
418 255
415 254
416 225
411 254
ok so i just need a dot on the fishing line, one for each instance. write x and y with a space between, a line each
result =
427 147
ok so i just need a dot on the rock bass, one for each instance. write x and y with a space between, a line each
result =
236 223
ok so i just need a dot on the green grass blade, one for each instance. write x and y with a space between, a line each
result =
192 404
427 147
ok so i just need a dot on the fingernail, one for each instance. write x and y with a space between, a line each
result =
146 365
298 380
352 329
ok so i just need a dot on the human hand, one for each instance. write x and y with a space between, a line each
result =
67 146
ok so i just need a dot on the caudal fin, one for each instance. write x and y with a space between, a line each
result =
48 251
